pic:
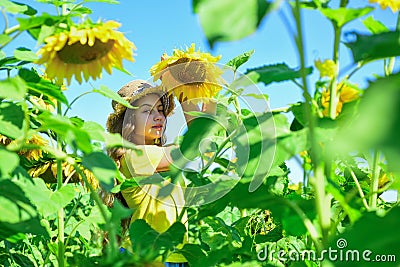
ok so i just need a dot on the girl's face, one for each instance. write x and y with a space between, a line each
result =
148 119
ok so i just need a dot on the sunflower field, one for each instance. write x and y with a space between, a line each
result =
243 209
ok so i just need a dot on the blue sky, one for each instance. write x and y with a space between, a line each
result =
157 26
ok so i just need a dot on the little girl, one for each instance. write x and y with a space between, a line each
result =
145 127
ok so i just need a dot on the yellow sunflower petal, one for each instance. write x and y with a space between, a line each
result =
85 51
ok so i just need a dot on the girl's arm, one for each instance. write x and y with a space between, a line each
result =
209 108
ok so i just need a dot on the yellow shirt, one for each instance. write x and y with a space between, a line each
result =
159 213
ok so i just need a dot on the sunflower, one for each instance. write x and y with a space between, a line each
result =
85 50
191 75
347 94
34 154
394 5
48 172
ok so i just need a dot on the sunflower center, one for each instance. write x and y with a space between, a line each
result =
78 53
188 71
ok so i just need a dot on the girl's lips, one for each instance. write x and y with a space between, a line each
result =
157 127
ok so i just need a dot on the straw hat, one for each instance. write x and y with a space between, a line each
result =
132 91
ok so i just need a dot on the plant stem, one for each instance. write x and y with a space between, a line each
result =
308 224
75 99
353 175
334 97
321 199
322 203
374 181
109 225
60 213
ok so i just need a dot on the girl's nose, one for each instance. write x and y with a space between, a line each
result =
159 116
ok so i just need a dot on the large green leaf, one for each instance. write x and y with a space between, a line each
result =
229 20
274 73
216 234
18 215
377 125
369 237
38 21
11 119
39 86
9 161
200 129
13 88
103 168
149 243
377 46
195 256
48 202
255 148
73 135
344 15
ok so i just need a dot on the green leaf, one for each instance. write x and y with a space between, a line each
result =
118 213
25 54
378 113
9 161
383 239
47 201
274 73
149 243
236 62
13 88
18 214
344 15
103 168
41 86
195 256
95 130
38 21
4 39
201 128
74 136
230 20
6 61
12 7
11 119
105 91
374 26
290 145
371 47
45 31
255 147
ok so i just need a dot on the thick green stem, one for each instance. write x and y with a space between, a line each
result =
334 96
321 199
60 213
